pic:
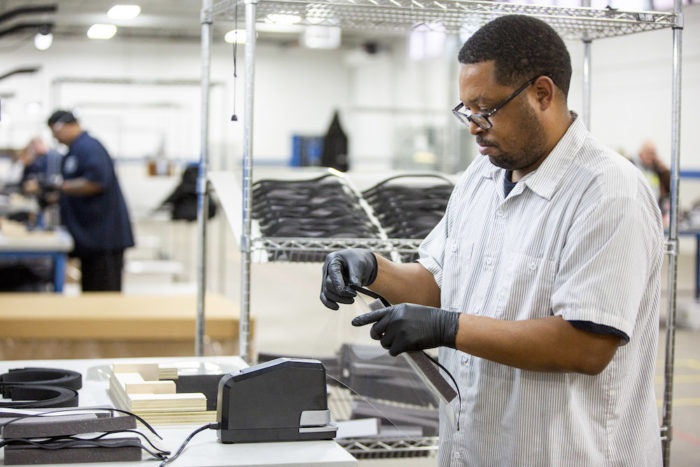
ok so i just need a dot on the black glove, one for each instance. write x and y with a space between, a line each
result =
342 269
407 326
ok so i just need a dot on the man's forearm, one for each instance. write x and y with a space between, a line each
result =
405 283
547 344
80 187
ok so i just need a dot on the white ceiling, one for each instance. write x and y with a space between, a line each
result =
159 19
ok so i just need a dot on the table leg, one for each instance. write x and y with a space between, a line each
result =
697 266
59 272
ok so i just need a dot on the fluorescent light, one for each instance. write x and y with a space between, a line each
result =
43 41
283 19
124 11
102 31
237 35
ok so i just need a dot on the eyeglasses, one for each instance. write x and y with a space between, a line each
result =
482 119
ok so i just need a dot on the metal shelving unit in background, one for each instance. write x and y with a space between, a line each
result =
585 24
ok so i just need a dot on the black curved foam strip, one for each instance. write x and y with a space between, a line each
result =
65 425
107 450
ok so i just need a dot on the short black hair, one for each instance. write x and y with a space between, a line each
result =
522 48
62 116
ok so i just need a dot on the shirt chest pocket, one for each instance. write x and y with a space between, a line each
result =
526 289
457 263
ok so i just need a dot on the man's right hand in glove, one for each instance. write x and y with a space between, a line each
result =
344 269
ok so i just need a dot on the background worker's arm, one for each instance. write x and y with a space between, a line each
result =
80 187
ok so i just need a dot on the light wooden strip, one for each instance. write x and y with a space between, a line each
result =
148 371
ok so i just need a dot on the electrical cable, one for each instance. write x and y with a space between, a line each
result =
209 426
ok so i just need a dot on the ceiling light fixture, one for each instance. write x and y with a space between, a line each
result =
124 11
43 41
102 31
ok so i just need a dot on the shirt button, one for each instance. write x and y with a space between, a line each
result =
499 213
532 265
465 359
489 261
457 456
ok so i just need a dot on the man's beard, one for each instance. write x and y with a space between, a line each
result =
532 150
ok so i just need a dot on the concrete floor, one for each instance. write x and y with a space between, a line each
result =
685 446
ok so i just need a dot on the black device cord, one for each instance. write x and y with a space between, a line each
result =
208 426
386 303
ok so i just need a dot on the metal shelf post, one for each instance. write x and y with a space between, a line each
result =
669 361
244 323
202 183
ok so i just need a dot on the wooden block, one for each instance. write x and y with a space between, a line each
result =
148 371
152 387
170 402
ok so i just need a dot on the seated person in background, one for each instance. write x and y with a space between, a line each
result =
657 173
43 164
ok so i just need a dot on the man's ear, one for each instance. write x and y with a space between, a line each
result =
544 92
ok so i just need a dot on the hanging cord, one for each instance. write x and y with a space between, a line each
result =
211 426
385 302
234 117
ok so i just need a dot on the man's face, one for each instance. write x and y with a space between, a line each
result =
517 140
648 154
61 131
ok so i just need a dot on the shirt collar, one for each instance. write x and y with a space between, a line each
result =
548 176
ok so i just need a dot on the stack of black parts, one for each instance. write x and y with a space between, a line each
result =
320 208
407 207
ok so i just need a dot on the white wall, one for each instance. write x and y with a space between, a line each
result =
631 90
382 98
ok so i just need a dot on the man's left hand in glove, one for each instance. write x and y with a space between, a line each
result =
407 327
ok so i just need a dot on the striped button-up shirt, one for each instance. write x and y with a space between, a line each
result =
581 238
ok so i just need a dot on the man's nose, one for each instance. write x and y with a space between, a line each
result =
475 129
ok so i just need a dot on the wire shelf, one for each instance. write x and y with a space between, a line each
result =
325 245
381 448
452 16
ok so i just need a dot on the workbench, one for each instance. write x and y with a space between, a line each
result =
107 324
54 245
204 449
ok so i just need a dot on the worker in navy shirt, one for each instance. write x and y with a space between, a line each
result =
92 205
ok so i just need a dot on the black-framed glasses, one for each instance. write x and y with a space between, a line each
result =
482 119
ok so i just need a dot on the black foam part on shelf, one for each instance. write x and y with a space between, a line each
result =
206 384
126 449
66 425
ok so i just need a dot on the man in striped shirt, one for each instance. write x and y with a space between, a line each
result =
541 283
